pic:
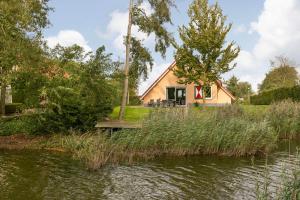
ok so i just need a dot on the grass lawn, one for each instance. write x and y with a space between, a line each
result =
132 113
137 113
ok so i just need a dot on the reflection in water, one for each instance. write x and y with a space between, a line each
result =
42 175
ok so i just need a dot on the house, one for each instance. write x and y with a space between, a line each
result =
166 87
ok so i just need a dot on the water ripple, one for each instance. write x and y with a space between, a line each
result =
41 175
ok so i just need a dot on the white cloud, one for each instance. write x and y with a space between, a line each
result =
68 38
117 28
241 28
278 28
157 70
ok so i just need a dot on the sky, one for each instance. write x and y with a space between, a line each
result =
263 29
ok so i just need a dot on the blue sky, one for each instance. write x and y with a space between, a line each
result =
262 28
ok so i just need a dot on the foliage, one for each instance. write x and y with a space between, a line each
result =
80 94
203 56
27 87
21 26
280 94
138 57
282 74
155 22
135 100
27 124
239 89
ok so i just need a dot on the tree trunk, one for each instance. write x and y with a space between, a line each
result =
2 98
126 68
203 93
128 98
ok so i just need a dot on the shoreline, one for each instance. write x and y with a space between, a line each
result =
26 142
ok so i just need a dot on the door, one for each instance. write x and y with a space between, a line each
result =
180 96
171 93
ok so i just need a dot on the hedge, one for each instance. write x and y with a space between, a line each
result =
266 98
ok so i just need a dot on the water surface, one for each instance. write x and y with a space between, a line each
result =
43 175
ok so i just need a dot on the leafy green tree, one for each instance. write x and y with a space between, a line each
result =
282 74
21 23
204 54
138 58
239 89
244 90
232 85
79 93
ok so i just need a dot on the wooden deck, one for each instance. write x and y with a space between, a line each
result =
118 124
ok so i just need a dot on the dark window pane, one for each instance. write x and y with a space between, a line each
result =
207 90
171 93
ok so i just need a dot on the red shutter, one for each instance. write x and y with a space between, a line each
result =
198 92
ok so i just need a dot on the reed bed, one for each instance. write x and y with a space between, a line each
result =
225 131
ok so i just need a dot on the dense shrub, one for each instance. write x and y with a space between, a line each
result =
135 101
266 98
13 108
77 105
27 86
28 124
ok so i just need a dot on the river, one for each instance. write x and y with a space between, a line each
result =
42 175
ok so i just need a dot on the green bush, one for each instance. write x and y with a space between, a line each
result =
76 107
266 98
13 108
135 101
28 124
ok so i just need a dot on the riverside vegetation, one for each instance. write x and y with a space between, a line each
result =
225 131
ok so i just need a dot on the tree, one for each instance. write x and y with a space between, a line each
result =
136 53
21 23
204 56
245 90
282 74
239 89
232 85
79 92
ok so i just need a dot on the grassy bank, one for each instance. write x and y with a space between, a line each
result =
228 131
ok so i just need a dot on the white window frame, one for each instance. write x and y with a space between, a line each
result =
208 98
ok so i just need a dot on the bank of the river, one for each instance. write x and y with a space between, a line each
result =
226 131
21 141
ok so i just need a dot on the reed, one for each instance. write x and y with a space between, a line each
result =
225 131
285 118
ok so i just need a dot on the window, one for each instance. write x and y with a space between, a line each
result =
207 91
171 93
199 92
